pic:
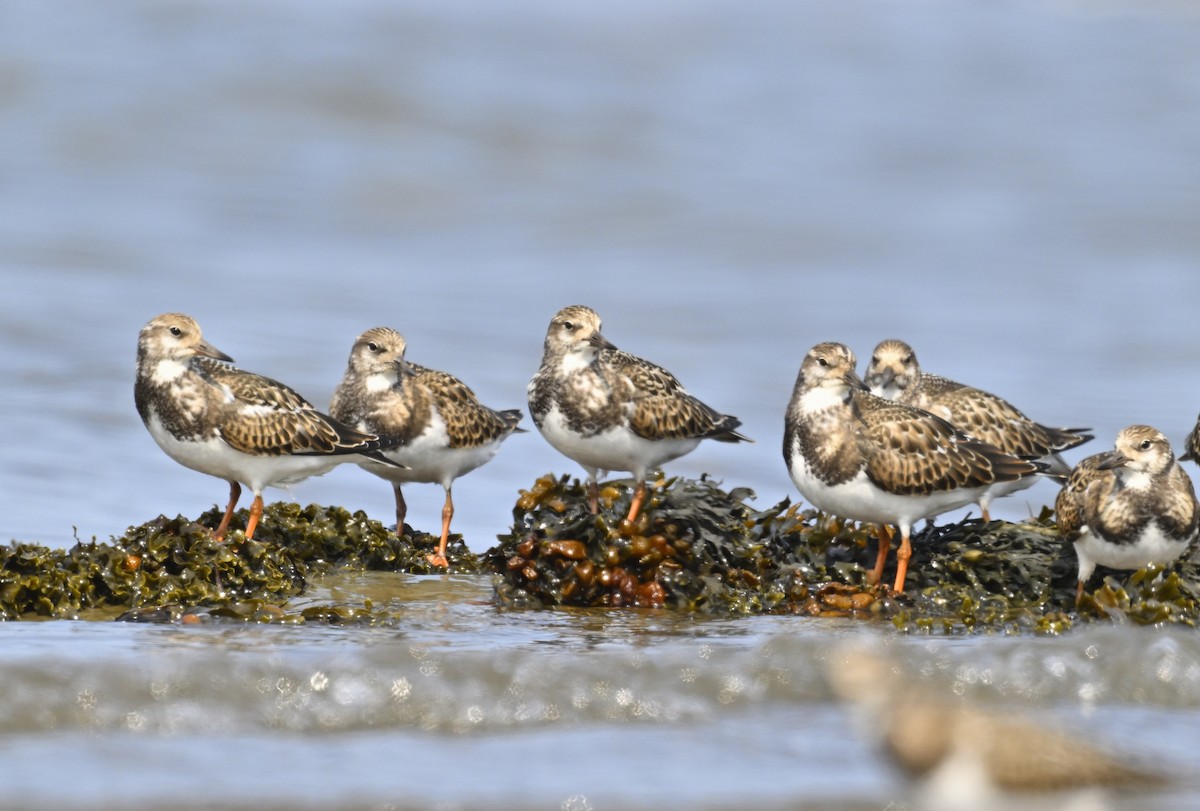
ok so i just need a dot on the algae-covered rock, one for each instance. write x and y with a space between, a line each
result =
697 547
163 569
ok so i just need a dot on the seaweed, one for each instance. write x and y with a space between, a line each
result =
167 568
698 547
695 547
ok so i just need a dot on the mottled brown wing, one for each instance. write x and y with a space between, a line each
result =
659 406
252 389
1070 506
910 451
264 432
1181 510
469 423
996 421
266 418
937 386
1191 445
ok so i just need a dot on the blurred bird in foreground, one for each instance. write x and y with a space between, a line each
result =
963 757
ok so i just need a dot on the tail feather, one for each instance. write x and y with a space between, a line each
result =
724 431
511 417
1063 439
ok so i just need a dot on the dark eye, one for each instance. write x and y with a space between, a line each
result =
822 361
907 359
374 347
568 326
1145 444
176 331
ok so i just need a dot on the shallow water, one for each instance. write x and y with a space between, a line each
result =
1011 187
463 705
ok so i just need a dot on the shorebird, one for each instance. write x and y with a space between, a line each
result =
963 757
610 410
436 427
865 458
1129 507
894 374
242 427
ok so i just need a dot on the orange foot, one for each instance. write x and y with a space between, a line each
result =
438 560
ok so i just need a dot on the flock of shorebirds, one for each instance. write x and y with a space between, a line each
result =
889 448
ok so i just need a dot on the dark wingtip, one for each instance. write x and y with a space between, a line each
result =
379 456
724 431
512 416
1066 438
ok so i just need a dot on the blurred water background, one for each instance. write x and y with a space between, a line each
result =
1012 187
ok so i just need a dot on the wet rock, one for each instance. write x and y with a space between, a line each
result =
165 569
698 547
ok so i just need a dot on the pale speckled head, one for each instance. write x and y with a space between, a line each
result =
829 366
1140 448
575 329
893 368
378 350
175 337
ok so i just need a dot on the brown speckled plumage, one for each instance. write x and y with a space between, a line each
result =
438 428
869 459
610 410
1191 445
221 420
253 414
1115 502
1095 496
893 442
618 388
403 411
975 412
927 732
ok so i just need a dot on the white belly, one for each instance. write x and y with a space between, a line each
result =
216 458
1002 489
430 459
859 499
1151 547
614 449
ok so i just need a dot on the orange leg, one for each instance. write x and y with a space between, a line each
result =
439 557
235 492
902 556
635 506
401 512
987 516
885 543
593 490
1079 594
256 510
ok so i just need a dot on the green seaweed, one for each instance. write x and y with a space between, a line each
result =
696 547
165 569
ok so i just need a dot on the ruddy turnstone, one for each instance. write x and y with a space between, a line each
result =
215 418
610 410
894 374
439 428
865 458
963 756
1129 507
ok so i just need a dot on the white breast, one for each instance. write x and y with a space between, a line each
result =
860 499
615 449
